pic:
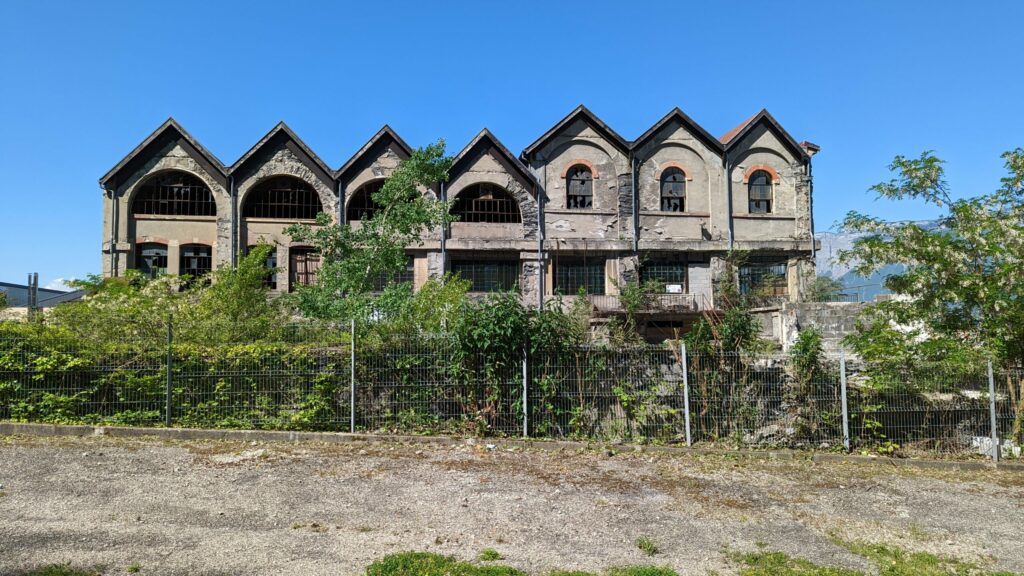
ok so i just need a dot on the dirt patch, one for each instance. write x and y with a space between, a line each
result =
279 508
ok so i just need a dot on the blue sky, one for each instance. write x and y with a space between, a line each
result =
84 82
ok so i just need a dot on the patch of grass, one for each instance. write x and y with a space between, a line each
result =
780 564
490 555
647 546
134 568
60 570
426 564
641 571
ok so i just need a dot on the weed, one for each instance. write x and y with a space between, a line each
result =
60 570
641 571
134 568
490 555
426 564
647 546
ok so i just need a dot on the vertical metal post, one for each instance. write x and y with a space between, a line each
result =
168 391
842 393
992 412
526 408
686 392
352 381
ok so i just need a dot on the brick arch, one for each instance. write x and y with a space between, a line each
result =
672 164
766 168
577 162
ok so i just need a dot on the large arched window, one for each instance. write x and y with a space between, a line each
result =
174 193
151 259
759 189
283 197
486 203
579 187
673 190
361 206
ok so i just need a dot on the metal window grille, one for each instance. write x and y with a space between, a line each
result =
488 275
305 263
270 281
665 272
767 277
759 189
174 194
196 260
362 205
571 275
673 190
283 197
151 259
579 186
487 203
405 275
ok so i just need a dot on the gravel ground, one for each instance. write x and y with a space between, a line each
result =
311 509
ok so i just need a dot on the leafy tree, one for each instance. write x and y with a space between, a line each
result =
354 256
962 289
825 289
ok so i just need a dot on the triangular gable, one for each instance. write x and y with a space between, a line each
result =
168 132
371 151
590 119
678 115
736 135
279 135
483 143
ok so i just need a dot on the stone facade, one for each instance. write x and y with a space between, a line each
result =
626 227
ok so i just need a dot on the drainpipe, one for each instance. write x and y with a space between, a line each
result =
113 231
810 205
340 216
541 233
635 202
728 195
444 233
233 194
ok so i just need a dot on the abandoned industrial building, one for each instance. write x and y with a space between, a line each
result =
581 209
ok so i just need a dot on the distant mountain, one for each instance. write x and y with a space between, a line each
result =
832 243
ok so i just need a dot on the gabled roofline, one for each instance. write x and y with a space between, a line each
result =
385 131
277 129
589 117
736 135
514 162
169 124
702 134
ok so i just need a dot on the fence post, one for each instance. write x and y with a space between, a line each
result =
352 379
526 407
992 412
686 392
168 391
842 393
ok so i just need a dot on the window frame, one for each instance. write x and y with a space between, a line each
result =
147 269
763 203
195 271
311 261
270 281
158 195
680 195
585 194
488 274
587 270
471 206
362 204
267 200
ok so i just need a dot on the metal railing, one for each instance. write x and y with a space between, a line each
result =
308 381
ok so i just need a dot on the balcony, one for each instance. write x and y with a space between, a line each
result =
606 304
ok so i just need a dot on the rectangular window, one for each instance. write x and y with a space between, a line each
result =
764 277
405 275
572 274
670 274
488 275
196 260
270 281
151 259
304 265
761 199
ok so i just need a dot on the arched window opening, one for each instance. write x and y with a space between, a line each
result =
759 189
304 263
283 197
151 259
579 186
270 280
486 203
362 206
174 193
196 260
673 190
